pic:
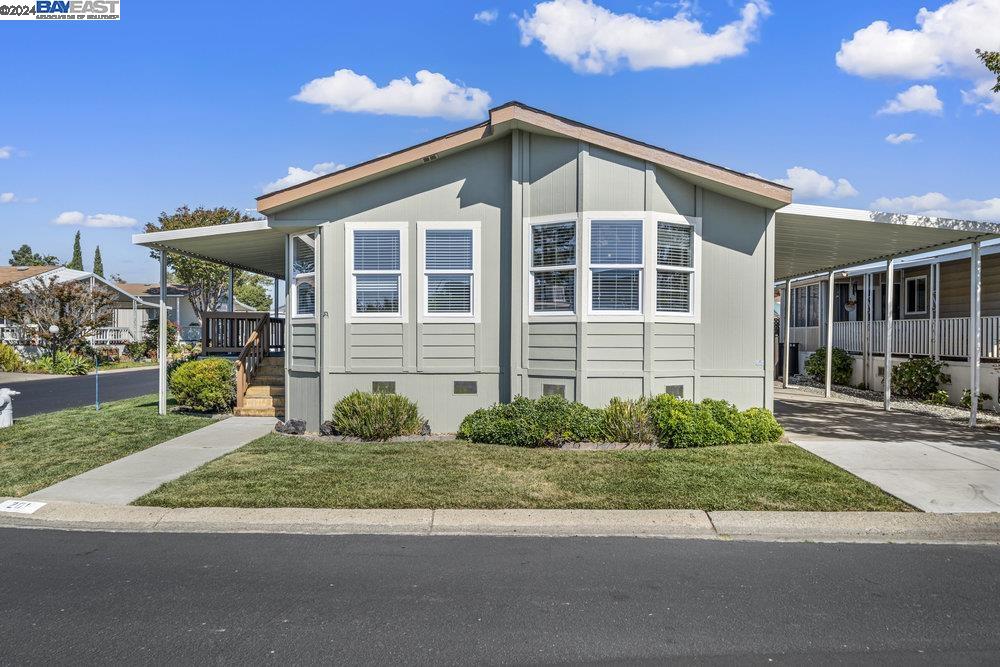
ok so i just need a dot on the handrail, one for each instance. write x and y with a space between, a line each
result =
250 358
228 333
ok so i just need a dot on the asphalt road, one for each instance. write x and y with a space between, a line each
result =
39 396
99 598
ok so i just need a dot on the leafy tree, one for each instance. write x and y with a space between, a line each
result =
253 292
77 261
24 256
98 262
116 277
77 309
992 61
207 282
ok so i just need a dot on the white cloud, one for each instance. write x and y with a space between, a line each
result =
106 220
901 138
810 184
6 152
915 98
944 43
7 197
936 204
432 95
595 40
486 16
298 175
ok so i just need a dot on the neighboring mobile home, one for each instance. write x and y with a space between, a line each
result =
531 255
182 311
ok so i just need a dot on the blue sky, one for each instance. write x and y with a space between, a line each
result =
103 123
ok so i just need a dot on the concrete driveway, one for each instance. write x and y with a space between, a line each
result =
930 463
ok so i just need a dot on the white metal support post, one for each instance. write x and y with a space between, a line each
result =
828 390
888 332
162 349
935 305
786 315
975 329
231 298
866 323
275 297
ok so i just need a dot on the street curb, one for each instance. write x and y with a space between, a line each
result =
874 527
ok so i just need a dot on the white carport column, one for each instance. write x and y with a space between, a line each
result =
975 330
275 297
231 298
786 315
888 332
828 391
162 348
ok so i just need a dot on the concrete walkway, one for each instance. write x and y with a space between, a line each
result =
931 463
122 481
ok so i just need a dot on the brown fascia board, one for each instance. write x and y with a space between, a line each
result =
516 115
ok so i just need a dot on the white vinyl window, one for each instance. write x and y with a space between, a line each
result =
376 266
916 295
674 268
553 268
616 258
304 275
449 252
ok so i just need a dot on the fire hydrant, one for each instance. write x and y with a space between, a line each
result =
7 406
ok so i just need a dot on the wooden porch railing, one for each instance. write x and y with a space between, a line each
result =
229 333
253 353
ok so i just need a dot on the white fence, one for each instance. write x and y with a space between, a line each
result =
14 335
913 337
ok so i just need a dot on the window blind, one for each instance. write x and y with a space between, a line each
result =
448 249
448 293
304 257
673 292
615 289
555 291
376 250
305 298
616 242
377 293
674 245
553 245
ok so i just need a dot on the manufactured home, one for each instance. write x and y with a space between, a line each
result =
529 254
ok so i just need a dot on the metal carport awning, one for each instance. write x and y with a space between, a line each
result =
811 240
251 246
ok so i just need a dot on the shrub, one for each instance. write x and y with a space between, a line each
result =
843 366
65 363
151 337
376 416
918 378
10 360
136 350
205 385
549 420
627 421
939 397
681 423
980 404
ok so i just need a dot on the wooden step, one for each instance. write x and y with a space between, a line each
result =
256 390
264 403
259 412
267 376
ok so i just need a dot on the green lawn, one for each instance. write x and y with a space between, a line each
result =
42 450
281 471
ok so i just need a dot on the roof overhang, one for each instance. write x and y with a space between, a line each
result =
812 239
250 246
514 115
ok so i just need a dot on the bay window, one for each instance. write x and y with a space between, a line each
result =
616 260
553 268
674 267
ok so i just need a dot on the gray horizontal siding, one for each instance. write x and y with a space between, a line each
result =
552 346
451 346
302 349
376 345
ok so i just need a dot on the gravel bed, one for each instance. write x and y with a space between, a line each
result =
986 418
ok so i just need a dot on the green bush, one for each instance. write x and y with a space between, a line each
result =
939 397
681 423
205 385
10 360
136 350
980 404
524 422
843 365
151 337
918 378
627 420
65 363
376 416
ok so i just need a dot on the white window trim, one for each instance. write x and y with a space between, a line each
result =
589 217
582 268
349 273
694 294
423 315
906 295
308 277
528 304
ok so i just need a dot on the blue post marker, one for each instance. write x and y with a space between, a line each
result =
97 384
